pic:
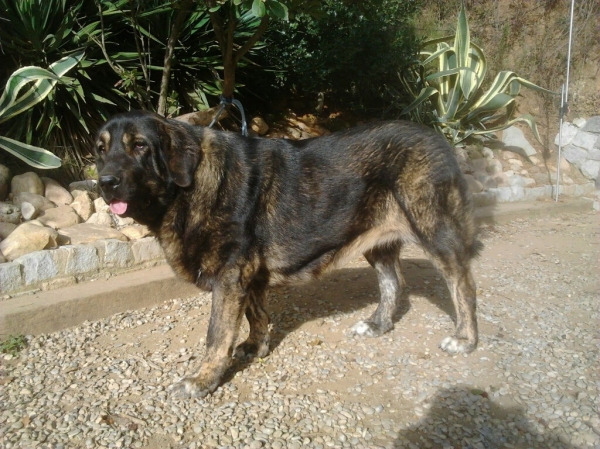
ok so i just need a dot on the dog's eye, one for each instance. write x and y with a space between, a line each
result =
138 146
100 149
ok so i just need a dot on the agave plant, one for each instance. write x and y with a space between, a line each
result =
452 98
38 84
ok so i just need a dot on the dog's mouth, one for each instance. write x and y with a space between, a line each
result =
118 207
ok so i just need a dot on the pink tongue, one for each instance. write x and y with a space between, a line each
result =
118 207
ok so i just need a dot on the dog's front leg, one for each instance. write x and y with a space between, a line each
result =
228 305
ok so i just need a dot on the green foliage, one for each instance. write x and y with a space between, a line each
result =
446 85
13 344
37 84
345 49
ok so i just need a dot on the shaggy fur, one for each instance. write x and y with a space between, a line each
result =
236 215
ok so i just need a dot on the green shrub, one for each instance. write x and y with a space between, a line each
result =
348 51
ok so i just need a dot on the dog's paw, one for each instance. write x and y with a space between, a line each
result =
367 329
250 350
192 387
453 345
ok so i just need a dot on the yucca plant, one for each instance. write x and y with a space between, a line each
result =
453 99
25 88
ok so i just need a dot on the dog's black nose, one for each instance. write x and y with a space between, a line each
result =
109 181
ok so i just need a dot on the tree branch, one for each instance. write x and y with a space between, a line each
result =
264 24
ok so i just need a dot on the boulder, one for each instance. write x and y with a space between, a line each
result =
259 126
39 202
101 219
83 205
575 155
100 205
6 229
55 192
590 169
584 140
60 217
27 238
4 182
9 213
28 211
89 185
27 182
474 185
515 141
136 232
592 125
494 167
87 232
569 131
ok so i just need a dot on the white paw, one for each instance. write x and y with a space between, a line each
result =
453 345
362 328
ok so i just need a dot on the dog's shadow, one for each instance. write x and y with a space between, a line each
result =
345 291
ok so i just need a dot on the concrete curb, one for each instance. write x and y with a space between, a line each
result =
53 310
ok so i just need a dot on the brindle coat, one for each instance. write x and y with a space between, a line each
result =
235 215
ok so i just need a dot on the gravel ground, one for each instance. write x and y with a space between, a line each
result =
532 383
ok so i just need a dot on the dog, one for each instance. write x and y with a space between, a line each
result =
236 215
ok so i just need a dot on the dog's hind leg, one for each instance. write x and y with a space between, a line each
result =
386 261
454 262
257 343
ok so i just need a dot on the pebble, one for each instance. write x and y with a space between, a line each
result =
104 384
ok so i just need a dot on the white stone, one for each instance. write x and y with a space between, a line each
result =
11 277
487 153
590 169
100 205
89 185
101 219
579 122
146 249
515 140
40 202
592 125
88 233
60 217
569 131
114 253
83 205
39 266
584 140
259 126
9 213
474 185
27 238
575 155
81 259
6 229
27 182
28 211
594 154
135 232
494 167
55 192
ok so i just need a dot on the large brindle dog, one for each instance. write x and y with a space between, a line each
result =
236 215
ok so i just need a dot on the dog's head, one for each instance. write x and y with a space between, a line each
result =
142 159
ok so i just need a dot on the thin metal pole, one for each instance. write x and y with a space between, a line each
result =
560 127
564 98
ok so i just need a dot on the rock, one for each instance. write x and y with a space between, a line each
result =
592 125
579 122
101 219
9 213
6 229
55 192
135 232
87 232
4 181
27 182
60 217
473 152
28 211
259 126
2 258
100 205
534 160
487 153
494 167
479 165
83 205
590 169
202 118
584 140
566 179
594 154
27 238
39 202
564 165
123 221
89 185
463 159
502 180
474 185
575 155
515 141
569 131
506 155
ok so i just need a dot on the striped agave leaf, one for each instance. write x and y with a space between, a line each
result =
37 84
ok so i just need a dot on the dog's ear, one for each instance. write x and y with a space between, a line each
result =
181 151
